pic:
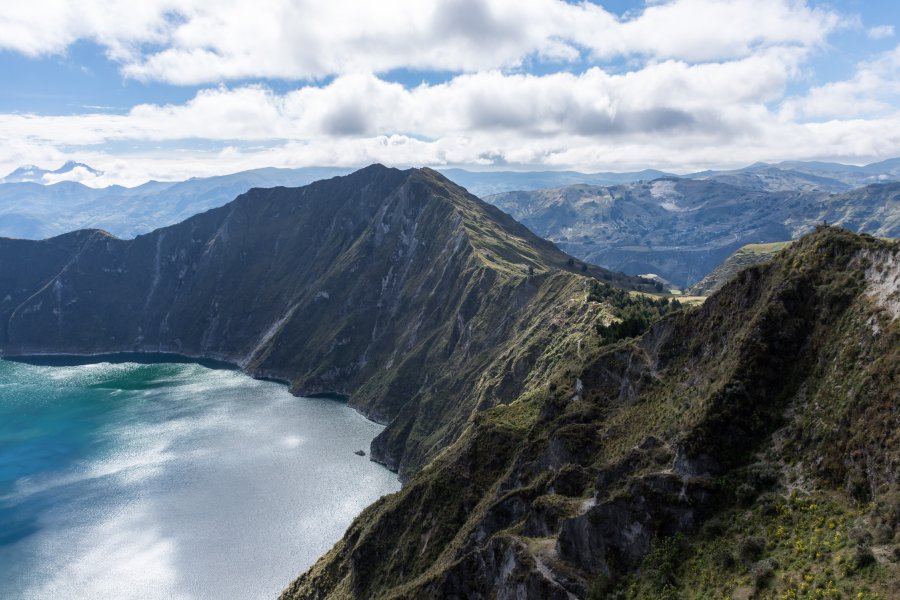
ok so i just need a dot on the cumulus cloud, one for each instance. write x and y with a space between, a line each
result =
873 89
193 41
880 32
666 96
670 114
676 84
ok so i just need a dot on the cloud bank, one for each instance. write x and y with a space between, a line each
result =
681 84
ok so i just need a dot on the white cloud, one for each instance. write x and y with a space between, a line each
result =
669 114
664 96
194 41
679 84
701 30
874 89
880 32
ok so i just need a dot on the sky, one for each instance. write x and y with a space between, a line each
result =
170 89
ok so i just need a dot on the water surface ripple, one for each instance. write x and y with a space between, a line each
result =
170 481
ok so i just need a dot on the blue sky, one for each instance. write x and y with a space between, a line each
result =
174 88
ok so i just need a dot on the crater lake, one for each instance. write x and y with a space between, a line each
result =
171 480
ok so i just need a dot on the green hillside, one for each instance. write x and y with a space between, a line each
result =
747 448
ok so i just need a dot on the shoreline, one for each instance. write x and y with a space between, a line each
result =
63 359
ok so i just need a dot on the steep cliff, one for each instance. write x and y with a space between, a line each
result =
396 288
745 448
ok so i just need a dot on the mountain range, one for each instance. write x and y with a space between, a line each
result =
395 288
681 229
745 449
806 176
642 223
57 202
31 210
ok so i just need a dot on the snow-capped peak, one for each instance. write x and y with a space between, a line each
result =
69 171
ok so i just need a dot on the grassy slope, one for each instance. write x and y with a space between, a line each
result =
745 448
745 256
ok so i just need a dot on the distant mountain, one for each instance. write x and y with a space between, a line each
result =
805 176
396 288
681 229
677 229
483 183
29 209
33 211
768 178
70 171
890 166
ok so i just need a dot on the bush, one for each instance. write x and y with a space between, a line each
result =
751 548
860 536
724 559
762 571
661 563
863 557
745 494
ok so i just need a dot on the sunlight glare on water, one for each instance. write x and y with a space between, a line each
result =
170 480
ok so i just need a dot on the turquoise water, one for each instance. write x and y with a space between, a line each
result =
173 481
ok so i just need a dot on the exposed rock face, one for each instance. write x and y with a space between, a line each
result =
396 288
626 469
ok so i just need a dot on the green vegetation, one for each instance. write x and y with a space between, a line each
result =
632 314
798 545
746 256
743 449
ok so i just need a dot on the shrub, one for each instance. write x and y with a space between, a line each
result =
724 559
863 557
661 564
762 572
633 314
751 548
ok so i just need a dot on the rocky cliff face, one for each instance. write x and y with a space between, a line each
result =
745 448
396 288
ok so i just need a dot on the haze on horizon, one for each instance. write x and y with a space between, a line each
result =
170 89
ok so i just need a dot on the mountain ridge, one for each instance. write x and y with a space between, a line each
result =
704 457
355 285
36 210
745 256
